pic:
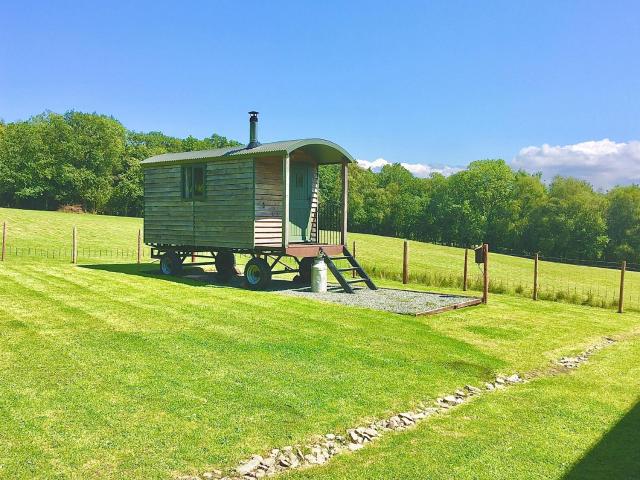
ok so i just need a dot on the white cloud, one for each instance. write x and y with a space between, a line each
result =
418 169
375 165
422 170
603 163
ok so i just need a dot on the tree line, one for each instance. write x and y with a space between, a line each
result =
52 160
513 211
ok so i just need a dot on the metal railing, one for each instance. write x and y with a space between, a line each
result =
329 224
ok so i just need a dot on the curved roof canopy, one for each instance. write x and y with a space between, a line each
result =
323 151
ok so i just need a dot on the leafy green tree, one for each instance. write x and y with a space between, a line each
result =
477 204
623 223
571 224
81 158
88 159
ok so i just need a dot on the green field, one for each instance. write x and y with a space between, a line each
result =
108 370
549 428
443 266
48 234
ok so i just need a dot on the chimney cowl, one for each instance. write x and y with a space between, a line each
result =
253 130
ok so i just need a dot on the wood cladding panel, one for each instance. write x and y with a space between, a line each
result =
224 218
314 205
167 218
268 202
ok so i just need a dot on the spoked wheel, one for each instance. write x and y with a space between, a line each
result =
225 265
257 273
170 264
304 274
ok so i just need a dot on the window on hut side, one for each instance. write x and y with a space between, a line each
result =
193 182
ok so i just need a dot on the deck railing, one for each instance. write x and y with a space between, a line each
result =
329 224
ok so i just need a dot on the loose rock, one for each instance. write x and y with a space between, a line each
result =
250 466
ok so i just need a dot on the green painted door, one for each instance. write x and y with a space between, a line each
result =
300 191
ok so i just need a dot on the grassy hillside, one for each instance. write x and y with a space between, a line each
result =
34 233
443 266
104 238
110 371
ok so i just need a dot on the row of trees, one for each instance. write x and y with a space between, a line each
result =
91 160
490 202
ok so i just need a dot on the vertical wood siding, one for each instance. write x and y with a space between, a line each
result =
314 205
302 156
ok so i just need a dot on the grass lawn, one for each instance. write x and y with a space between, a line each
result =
108 370
581 426
37 234
48 235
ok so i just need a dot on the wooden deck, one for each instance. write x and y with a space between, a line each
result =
312 250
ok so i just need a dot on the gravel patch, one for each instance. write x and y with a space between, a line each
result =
406 302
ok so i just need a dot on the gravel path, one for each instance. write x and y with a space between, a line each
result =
408 302
390 300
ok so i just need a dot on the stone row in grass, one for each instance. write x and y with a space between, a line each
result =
324 448
574 362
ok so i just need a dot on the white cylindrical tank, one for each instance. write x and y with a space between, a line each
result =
319 276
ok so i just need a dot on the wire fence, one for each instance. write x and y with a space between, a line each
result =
583 282
580 282
61 253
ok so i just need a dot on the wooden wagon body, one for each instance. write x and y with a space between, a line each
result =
261 199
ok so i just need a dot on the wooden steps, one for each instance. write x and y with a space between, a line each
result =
355 267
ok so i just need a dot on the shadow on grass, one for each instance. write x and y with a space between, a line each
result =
616 455
387 300
195 276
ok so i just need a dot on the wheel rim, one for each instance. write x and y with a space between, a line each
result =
253 274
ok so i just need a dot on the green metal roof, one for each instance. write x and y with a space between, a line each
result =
323 151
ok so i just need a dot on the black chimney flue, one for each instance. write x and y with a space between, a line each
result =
253 130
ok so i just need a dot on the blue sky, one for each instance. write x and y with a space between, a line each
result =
430 83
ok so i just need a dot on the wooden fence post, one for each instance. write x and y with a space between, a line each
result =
535 277
139 245
74 245
4 239
405 263
485 273
464 275
353 273
623 269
